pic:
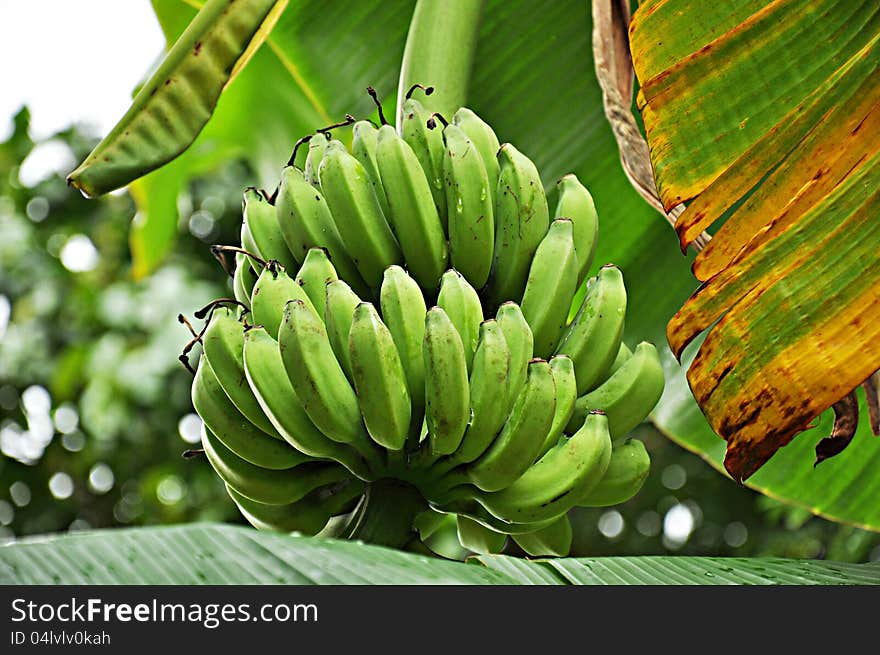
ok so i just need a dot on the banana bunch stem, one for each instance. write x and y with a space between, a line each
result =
386 513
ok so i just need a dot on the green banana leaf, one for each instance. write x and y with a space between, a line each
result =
539 91
762 117
212 554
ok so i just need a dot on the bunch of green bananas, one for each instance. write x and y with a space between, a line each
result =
401 326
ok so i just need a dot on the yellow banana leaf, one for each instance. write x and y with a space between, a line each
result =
764 119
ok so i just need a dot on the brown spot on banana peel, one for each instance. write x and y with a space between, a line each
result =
846 421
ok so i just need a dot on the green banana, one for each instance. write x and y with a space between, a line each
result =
551 541
243 280
489 377
576 204
472 509
628 396
248 244
318 379
223 346
379 379
626 473
314 275
268 380
551 285
469 206
306 222
268 486
301 516
428 522
556 482
623 354
317 148
230 426
478 538
403 310
338 313
365 232
308 515
518 336
593 338
566 397
485 141
523 434
412 214
427 144
521 221
265 237
363 147
462 305
447 396
273 289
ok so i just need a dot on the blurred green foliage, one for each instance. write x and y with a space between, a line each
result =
94 404
95 409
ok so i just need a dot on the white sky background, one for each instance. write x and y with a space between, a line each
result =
73 61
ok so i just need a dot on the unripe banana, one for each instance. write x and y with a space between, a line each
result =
230 426
365 232
314 275
566 397
485 141
243 280
273 289
248 244
403 310
264 485
264 232
523 434
623 354
472 509
427 144
447 396
379 379
317 148
521 221
308 515
305 222
556 482
268 380
338 313
551 541
318 380
462 305
469 206
576 204
489 379
303 516
412 213
429 522
628 396
593 338
363 147
223 345
624 477
518 336
550 288
478 538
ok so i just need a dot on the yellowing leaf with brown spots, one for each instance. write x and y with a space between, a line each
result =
764 118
